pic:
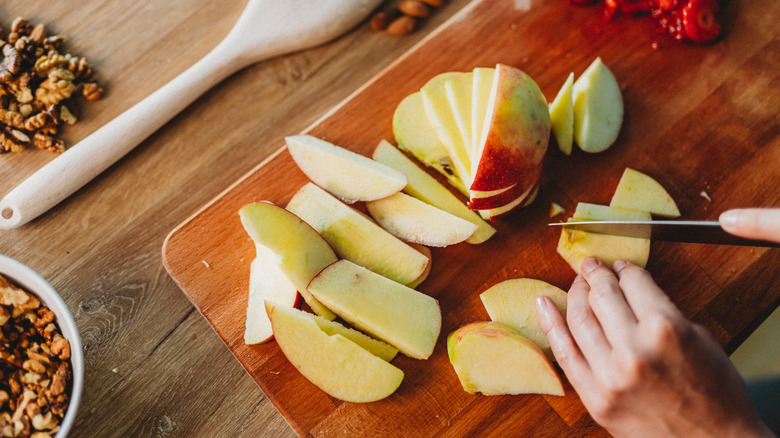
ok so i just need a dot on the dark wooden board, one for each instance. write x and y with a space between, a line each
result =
702 120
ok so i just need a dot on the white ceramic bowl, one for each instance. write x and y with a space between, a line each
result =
30 281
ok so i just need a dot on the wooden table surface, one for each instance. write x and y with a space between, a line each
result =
154 366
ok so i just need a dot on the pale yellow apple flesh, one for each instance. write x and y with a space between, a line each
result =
425 188
349 176
437 109
574 246
333 363
638 191
598 108
401 316
481 87
523 200
376 347
413 220
513 303
458 93
424 250
494 359
562 116
416 135
355 237
266 282
302 252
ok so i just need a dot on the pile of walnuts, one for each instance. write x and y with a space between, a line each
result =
35 370
39 86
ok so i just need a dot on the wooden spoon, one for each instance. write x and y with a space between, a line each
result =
265 29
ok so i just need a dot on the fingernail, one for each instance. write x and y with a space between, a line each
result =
589 264
729 219
619 265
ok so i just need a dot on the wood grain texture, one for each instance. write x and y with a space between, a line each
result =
698 119
154 366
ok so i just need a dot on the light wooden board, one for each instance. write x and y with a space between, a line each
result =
698 119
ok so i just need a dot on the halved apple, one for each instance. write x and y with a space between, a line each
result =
266 282
562 116
513 303
514 138
638 191
401 316
301 251
425 188
494 359
416 135
412 220
574 246
355 237
333 363
349 176
598 108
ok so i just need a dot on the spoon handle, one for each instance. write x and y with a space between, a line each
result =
71 170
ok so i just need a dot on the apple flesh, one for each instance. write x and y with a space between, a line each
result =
266 282
495 359
480 96
355 237
425 188
333 363
301 251
401 316
412 220
598 108
638 191
416 135
562 116
424 250
376 347
349 176
522 201
574 245
513 303
458 91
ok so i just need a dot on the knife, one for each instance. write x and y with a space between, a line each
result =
671 231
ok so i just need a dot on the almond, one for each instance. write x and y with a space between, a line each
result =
414 8
402 25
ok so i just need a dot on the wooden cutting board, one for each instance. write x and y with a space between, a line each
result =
702 120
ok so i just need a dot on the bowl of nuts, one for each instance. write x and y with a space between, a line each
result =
41 359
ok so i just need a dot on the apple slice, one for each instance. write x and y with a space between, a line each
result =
376 347
514 138
266 282
522 201
458 91
513 303
349 176
574 246
416 135
424 250
482 85
598 108
333 363
301 251
562 116
401 316
425 188
638 191
355 237
412 220
439 113
506 197
494 359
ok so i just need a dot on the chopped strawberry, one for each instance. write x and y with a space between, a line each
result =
700 21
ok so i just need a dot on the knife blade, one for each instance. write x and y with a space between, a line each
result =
671 231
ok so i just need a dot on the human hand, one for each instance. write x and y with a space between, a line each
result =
752 223
638 365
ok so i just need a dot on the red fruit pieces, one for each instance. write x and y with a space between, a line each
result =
700 21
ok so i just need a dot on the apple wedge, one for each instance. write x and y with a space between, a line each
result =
522 201
401 316
424 250
412 220
349 176
514 138
458 91
266 282
598 108
355 237
562 116
301 251
637 191
515 193
574 246
513 303
416 135
376 347
333 363
482 85
494 359
425 188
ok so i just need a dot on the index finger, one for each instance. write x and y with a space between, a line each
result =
752 223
